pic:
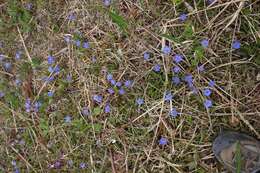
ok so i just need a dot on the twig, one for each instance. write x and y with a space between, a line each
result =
24 46
112 161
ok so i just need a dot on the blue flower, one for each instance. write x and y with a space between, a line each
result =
204 43
107 108
18 55
2 57
210 1
70 163
207 92
57 69
183 17
201 68
51 69
168 96
174 113
178 58
163 141
28 6
85 111
157 68
236 44
37 106
146 56
69 78
51 60
193 89
17 82
188 78
212 83
109 76
7 66
166 50
22 142
85 45
139 101
57 164
13 162
67 38
67 119
72 17
78 43
121 91
207 103
176 80
94 59
51 78
176 69
113 82
50 93
82 165
118 84
2 94
107 2
97 98
16 170
128 83
27 105
110 90
48 79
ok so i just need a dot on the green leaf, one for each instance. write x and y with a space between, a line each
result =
97 111
199 54
12 99
238 156
24 69
171 37
119 20
44 126
36 62
97 127
188 31
176 1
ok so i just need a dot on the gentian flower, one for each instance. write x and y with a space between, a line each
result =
176 80
50 93
236 44
51 60
178 58
128 83
97 98
107 108
163 141
107 2
146 56
157 68
174 113
67 119
168 96
205 43
183 17
207 92
110 90
166 50
176 69
208 103
121 91
139 101
85 45
212 83
85 111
